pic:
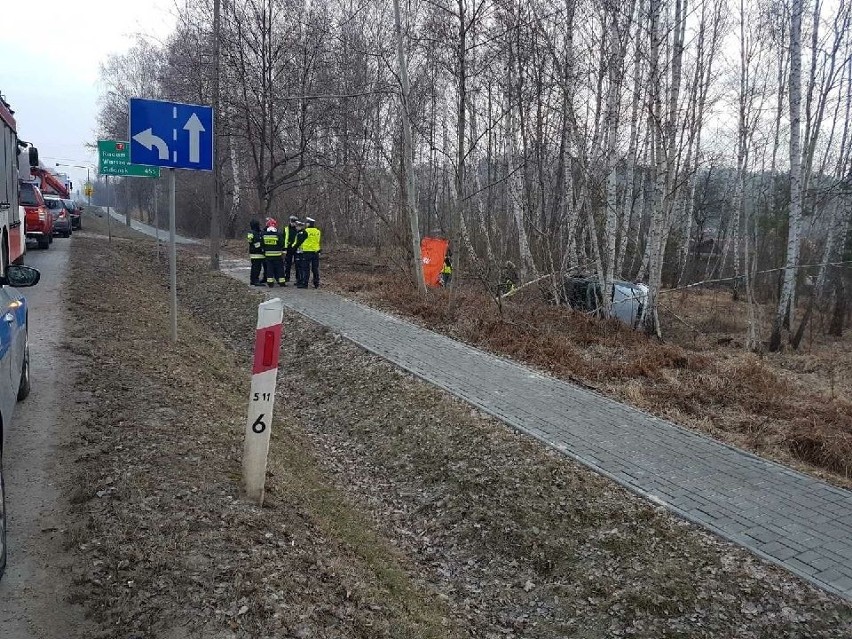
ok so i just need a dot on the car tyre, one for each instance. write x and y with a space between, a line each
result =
24 386
44 243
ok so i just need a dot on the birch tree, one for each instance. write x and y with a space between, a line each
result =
784 310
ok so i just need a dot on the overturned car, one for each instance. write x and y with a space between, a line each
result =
585 294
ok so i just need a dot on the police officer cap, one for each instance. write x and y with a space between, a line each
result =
293 218
310 220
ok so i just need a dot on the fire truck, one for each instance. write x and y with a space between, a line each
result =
17 158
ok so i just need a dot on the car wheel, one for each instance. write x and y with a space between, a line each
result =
66 234
24 386
50 241
43 243
2 521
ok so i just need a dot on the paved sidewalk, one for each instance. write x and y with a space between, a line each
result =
149 230
791 519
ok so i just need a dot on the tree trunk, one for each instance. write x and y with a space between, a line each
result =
408 158
785 309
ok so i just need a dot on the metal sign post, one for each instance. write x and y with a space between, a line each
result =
267 348
172 254
109 214
171 135
157 219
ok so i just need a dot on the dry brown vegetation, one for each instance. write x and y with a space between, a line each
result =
794 407
394 510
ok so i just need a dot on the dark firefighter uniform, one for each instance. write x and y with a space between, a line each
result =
255 243
273 251
310 248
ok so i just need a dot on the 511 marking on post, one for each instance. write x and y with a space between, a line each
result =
267 348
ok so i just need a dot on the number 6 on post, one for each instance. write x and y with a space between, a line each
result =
267 347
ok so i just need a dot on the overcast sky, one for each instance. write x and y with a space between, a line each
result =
50 76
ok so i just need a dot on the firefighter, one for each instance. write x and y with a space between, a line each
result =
311 248
255 242
289 243
273 251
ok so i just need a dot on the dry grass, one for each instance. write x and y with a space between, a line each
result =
394 510
171 549
793 407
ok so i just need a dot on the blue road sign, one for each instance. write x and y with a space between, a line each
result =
171 134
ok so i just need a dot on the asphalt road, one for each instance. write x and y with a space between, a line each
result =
32 592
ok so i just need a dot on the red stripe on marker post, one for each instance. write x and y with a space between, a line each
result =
267 345
267 348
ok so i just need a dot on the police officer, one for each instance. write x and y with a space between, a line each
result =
255 242
311 248
273 251
289 243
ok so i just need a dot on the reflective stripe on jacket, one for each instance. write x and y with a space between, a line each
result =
273 244
312 241
255 246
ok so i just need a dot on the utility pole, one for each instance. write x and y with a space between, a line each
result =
217 168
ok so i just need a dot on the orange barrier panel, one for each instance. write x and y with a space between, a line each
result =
433 250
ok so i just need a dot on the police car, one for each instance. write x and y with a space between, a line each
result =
14 365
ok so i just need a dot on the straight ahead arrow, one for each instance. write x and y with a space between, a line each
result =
149 140
194 126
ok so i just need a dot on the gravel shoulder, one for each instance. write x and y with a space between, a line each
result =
38 467
394 510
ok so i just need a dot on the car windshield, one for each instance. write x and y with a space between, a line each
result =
53 204
27 195
69 204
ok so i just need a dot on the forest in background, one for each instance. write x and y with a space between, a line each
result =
663 141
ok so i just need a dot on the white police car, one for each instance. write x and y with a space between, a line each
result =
14 364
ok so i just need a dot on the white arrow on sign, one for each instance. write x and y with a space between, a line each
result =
148 140
194 126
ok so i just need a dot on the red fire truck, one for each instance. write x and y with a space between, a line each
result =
16 159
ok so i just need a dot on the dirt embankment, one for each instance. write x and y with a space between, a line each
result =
394 510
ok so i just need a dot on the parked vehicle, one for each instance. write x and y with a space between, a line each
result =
76 213
16 159
61 216
38 222
628 298
14 365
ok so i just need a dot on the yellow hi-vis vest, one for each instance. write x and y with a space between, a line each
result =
312 242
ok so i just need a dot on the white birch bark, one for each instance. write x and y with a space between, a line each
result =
527 266
784 310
